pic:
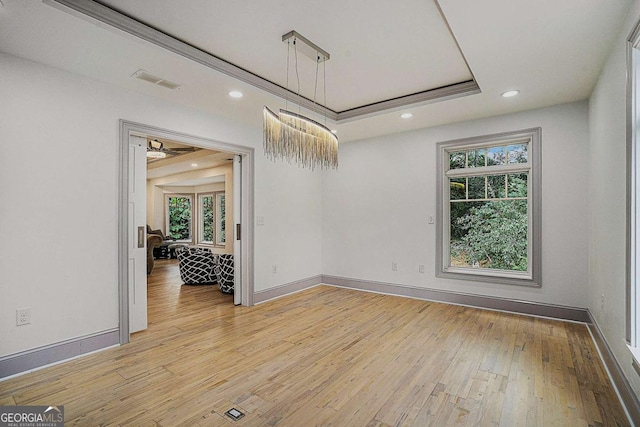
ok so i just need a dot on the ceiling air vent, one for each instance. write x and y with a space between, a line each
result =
148 77
168 84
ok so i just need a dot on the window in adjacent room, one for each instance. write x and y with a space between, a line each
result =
212 218
489 208
221 233
179 215
207 215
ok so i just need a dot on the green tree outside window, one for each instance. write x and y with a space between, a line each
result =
180 217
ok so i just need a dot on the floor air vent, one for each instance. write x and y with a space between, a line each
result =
234 414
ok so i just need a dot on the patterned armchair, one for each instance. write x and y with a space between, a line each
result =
224 270
196 265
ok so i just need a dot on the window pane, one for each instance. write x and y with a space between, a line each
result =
207 218
456 160
457 251
476 158
457 188
496 186
489 235
518 153
496 156
476 187
180 217
517 185
222 233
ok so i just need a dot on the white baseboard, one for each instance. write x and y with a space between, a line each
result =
43 356
471 300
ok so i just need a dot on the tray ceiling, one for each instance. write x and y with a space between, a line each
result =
551 51
407 48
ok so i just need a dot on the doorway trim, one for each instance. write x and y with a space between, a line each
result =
128 128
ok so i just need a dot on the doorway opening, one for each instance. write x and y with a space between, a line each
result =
222 171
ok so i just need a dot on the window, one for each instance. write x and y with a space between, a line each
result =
489 208
632 329
179 214
206 218
212 218
221 233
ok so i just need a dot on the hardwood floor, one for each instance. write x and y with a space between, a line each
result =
329 357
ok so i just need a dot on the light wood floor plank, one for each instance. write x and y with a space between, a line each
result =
329 357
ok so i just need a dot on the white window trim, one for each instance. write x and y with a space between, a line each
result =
167 196
533 137
632 332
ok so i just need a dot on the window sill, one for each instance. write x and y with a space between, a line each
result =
210 245
490 277
635 354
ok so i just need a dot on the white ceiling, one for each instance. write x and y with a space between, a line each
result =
552 51
186 162
196 182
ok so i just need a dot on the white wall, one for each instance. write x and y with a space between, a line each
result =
207 188
376 207
607 199
290 203
59 247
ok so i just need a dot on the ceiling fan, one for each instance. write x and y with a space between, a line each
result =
157 150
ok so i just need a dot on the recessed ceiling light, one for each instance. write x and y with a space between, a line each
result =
510 93
334 131
194 165
406 115
235 94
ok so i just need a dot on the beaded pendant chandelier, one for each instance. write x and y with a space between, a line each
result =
293 137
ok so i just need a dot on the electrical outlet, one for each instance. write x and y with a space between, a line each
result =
23 316
602 302
274 268
394 266
421 268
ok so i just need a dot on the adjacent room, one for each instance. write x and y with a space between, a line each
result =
320 213
188 190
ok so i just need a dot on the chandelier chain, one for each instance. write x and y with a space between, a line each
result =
286 97
324 88
315 87
295 51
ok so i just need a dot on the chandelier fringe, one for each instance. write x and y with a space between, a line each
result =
298 139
